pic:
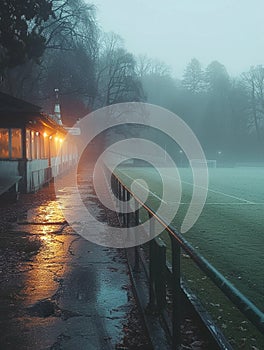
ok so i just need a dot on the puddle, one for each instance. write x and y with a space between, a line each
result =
43 308
44 214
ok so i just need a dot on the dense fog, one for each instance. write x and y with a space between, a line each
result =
67 47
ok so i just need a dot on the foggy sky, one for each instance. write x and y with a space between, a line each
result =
174 31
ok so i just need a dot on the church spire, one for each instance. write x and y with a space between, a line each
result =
57 111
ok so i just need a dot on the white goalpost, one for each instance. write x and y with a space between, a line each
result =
199 163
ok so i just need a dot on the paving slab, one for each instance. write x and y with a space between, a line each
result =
57 289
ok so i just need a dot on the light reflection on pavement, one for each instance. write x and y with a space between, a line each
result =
60 291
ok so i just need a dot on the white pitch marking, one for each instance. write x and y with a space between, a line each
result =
222 193
189 183
214 191
220 203
147 189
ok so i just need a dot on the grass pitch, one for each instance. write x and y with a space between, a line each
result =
229 234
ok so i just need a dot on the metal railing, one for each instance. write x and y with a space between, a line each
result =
157 267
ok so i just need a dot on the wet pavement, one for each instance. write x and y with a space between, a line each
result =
58 290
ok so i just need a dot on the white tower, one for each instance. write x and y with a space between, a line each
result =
57 111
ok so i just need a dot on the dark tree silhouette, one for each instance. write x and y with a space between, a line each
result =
20 30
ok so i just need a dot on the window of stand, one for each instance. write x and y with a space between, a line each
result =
33 145
28 144
4 143
10 143
16 143
46 145
37 145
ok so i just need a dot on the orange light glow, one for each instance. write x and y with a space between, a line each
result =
37 133
50 137
45 134
40 279
56 138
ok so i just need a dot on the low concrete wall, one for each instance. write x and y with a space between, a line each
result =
37 174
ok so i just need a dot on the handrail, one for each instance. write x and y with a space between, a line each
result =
252 313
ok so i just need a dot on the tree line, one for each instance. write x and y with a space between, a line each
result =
47 44
226 113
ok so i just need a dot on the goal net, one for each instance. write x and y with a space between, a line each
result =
199 163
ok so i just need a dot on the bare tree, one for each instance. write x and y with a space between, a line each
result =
148 66
117 80
253 82
74 22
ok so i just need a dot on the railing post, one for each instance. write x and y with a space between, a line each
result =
114 184
152 298
119 190
136 223
123 206
176 294
127 209
160 278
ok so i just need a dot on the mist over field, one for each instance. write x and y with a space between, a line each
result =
202 61
158 109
